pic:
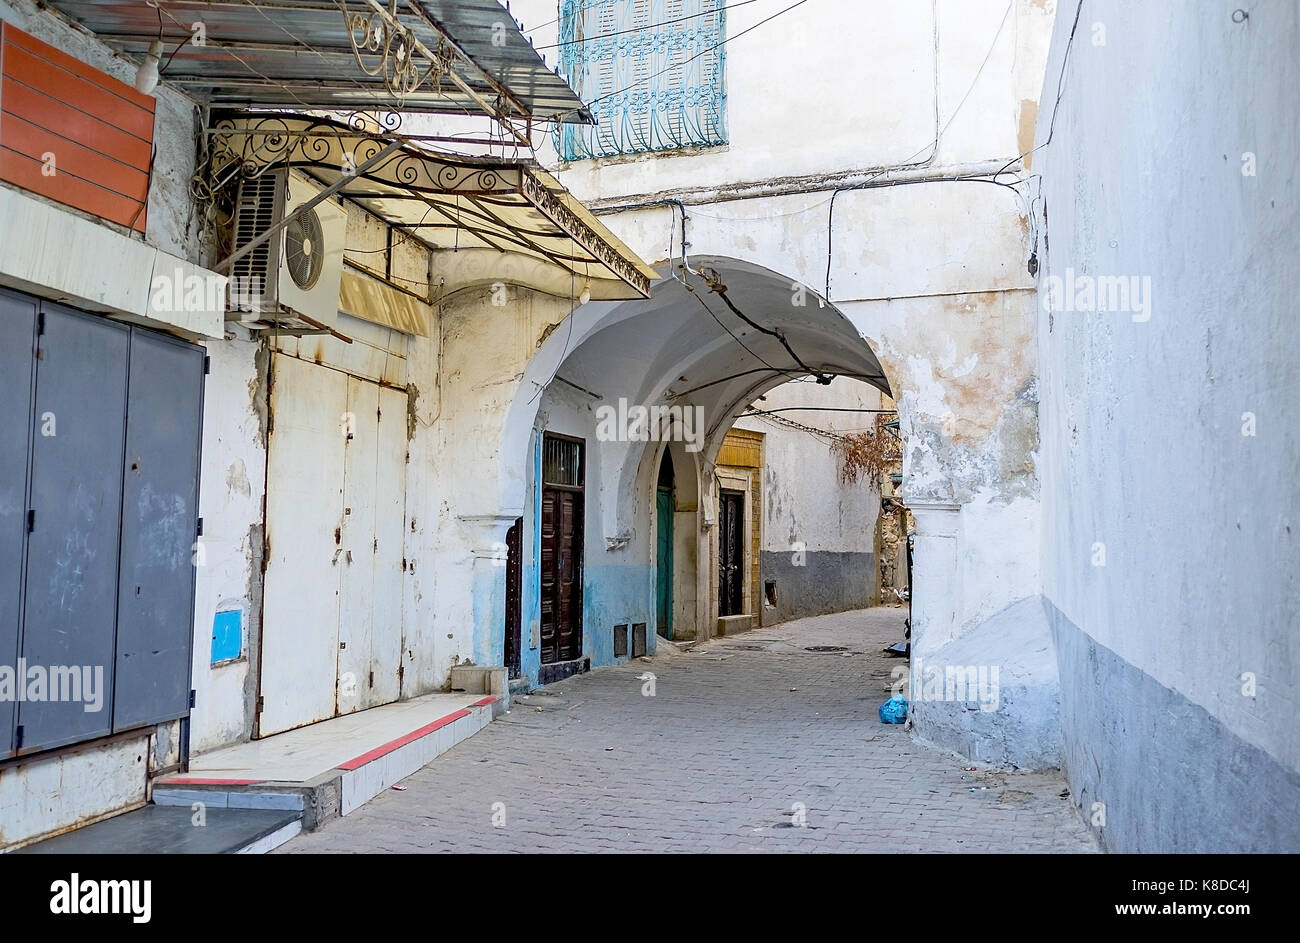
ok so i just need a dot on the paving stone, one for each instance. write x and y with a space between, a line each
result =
715 761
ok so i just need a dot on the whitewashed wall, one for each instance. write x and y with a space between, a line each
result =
1169 447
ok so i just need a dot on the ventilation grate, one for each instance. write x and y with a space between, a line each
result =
254 215
620 640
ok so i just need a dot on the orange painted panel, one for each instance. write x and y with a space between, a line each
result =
23 171
99 129
91 132
64 61
69 158
61 85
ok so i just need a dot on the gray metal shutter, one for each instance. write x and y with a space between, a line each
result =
155 609
76 492
17 346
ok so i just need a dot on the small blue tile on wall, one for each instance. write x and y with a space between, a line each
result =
227 635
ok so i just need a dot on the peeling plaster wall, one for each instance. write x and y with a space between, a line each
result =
485 349
229 577
818 532
1149 455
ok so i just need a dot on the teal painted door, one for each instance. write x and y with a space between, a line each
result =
664 554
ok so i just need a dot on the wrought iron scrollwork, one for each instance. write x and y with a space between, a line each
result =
385 48
370 122
245 146
249 146
569 222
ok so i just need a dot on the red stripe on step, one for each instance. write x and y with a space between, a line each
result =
392 745
209 782
483 703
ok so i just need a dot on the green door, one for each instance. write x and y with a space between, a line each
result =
664 556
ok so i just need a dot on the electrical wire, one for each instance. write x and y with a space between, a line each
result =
933 147
638 29
720 289
1060 92
733 334
791 424
726 379
568 337
817 409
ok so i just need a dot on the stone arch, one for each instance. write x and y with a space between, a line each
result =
706 343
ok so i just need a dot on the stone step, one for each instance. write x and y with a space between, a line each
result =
340 787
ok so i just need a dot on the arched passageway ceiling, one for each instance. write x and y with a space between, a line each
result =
684 345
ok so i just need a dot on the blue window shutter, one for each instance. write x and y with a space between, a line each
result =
652 72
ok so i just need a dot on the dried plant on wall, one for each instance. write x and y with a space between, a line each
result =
866 455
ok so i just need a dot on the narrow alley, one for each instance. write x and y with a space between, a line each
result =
639 426
741 735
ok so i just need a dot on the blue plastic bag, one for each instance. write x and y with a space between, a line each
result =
894 710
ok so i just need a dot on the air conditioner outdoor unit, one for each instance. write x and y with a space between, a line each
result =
290 281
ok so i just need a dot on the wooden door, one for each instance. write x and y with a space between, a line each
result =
664 562
561 575
514 595
731 554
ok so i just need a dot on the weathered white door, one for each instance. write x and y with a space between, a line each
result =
389 546
356 556
304 505
336 508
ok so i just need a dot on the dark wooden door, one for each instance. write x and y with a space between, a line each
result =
514 595
664 560
561 576
731 554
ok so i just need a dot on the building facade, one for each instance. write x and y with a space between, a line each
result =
223 502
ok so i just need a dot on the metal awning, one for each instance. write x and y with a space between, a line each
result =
445 56
506 219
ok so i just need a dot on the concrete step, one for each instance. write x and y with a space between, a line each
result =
732 625
170 830
309 772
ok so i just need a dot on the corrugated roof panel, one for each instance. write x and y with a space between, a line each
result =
300 53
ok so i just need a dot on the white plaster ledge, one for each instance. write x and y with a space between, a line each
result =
59 255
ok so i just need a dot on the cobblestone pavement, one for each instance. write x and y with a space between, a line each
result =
740 735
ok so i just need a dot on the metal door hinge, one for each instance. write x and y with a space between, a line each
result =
193 693
207 365
199 529
31 520
18 737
